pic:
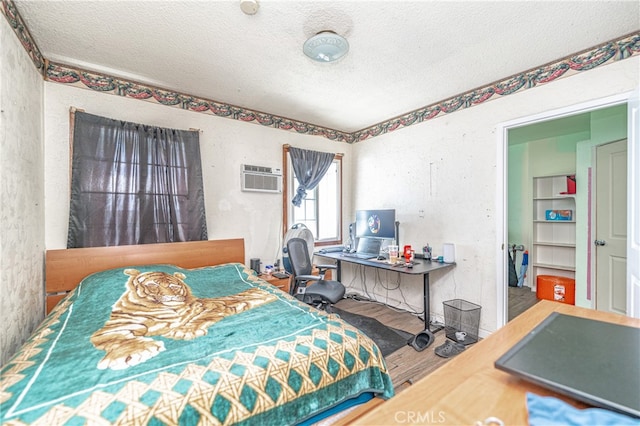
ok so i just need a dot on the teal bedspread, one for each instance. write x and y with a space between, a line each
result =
164 345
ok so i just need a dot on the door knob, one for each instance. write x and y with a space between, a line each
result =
599 242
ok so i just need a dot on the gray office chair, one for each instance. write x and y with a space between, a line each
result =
311 289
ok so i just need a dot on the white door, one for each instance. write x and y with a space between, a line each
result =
611 227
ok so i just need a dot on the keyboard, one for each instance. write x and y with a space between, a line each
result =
361 255
330 250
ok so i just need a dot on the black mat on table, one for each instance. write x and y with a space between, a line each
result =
388 339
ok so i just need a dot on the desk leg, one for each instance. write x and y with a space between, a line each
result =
427 311
425 294
425 338
338 270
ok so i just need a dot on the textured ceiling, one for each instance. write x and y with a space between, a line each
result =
403 55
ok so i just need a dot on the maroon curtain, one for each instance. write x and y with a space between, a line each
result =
134 184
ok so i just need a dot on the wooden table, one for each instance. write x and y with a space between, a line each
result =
468 388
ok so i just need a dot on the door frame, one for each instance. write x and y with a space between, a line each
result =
502 130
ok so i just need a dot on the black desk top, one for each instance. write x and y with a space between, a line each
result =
420 266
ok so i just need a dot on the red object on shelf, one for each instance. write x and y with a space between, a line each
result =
558 289
571 185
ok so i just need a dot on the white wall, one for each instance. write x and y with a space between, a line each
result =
22 194
448 167
224 144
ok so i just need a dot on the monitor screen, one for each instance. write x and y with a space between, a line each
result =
376 224
574 356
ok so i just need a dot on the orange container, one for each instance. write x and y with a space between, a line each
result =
559 289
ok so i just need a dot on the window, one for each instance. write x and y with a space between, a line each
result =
134 184
321 210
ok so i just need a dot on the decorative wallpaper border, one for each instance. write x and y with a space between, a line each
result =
613 51
77 77
15 20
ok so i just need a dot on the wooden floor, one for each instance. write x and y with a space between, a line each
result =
520 299
407 365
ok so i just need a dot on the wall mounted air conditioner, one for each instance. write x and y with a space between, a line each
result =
261 179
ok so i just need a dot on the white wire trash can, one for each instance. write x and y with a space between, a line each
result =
461 321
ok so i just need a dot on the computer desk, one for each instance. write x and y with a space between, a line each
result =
421 267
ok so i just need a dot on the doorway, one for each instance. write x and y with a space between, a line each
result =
507 181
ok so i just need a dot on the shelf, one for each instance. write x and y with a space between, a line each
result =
553 221
552 266
553 244
551 186
553 251
555 197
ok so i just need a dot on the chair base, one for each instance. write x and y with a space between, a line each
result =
422 340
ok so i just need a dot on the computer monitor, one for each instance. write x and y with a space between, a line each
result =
575 356
376 224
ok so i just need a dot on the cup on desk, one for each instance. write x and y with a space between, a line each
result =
393 254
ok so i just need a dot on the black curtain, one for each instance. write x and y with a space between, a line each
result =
134 184
309 168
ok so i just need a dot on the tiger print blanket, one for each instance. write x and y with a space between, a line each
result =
164 345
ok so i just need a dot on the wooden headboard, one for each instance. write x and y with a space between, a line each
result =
65 268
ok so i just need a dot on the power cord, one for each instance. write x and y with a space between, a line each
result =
358 298
368 298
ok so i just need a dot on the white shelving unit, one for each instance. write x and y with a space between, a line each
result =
554 241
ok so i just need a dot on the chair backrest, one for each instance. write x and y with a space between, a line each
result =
299 256
299 230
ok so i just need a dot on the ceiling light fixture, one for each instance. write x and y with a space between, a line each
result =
326 46
249 7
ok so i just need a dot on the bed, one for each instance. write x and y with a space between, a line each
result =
182 333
